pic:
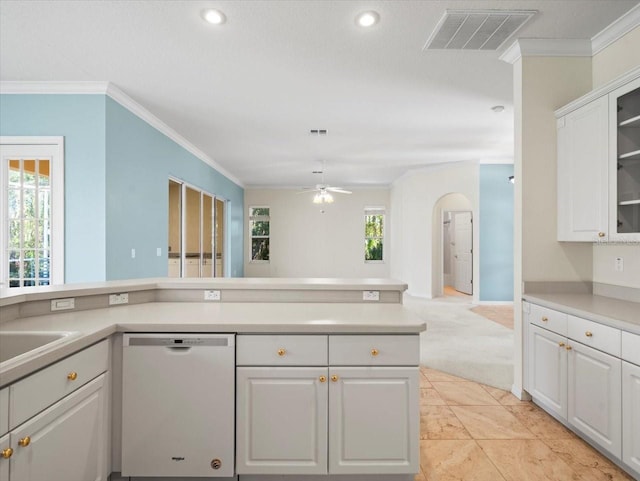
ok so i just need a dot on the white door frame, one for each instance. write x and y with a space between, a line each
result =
57 199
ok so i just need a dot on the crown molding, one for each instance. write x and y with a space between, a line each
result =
71 88
596 94
616 30
546 47
109 89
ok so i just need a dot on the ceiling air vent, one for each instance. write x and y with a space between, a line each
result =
476 29
318 132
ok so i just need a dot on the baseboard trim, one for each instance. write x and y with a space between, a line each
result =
520 393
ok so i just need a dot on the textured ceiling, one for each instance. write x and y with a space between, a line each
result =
247 92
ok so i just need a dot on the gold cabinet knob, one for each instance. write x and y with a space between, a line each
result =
374 352
588 334
281 352
24 441
601 234
6 453
323 378
334 378
545 318
568 348
72 376
561 344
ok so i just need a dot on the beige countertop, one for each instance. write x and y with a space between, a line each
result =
278 318
624 315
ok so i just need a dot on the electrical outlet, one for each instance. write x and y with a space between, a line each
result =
211 295
115 299
370 295
63 304
619 264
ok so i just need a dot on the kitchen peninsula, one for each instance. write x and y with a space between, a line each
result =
341 371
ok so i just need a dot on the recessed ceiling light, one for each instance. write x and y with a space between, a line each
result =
498 108
368 19
214 17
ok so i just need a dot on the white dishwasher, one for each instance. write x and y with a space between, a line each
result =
178 405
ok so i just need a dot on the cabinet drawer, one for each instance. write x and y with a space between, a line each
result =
281 350
38 391
549 319
598 336
358 350
631 348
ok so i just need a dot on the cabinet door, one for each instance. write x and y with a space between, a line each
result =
281 423
583 188
5 457
548 370
595 396
66 441
631 416
374 420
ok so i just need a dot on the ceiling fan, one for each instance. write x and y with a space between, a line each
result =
323 193
322 190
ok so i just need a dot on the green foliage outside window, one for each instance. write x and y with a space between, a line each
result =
373 237
259 229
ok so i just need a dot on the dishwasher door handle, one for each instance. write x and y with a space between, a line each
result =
181 349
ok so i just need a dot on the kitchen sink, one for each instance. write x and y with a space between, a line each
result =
19 343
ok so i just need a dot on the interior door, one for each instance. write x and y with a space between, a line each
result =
463 257
206 268
220 208
192 253
175 222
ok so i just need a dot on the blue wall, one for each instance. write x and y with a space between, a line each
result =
496 233
81 120
140 160
116 184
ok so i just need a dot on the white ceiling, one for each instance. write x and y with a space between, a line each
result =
247 92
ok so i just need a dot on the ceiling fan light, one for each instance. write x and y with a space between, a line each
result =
317 199
328 198
214 17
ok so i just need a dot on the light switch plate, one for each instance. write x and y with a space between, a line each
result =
63 304
211 295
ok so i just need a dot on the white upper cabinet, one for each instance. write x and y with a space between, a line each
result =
583 188
599 164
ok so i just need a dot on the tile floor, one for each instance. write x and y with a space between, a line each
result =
473 432
503 315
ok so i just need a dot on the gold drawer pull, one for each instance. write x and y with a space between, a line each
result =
374 352
281 352
588 334
601 234
568 348
24 441
334 378
545 318
323 379
72 376
561 344
6 453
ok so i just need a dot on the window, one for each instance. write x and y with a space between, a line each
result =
374 234
32 244
259 233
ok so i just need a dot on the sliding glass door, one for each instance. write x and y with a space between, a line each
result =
197 238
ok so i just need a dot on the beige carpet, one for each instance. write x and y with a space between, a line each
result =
463 343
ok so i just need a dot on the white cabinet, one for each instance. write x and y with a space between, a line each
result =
583 187
374 420
281 425
595 396
58 418
631 416
5 456
599 164
548 370
66 441
174 268
624 199
318 404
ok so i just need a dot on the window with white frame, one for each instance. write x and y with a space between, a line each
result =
374 234
259 219
32 243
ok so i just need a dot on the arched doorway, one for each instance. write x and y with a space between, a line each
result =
453 246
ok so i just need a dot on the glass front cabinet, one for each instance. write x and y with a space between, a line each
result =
624 189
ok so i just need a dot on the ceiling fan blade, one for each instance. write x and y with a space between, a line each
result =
339 190
308 190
